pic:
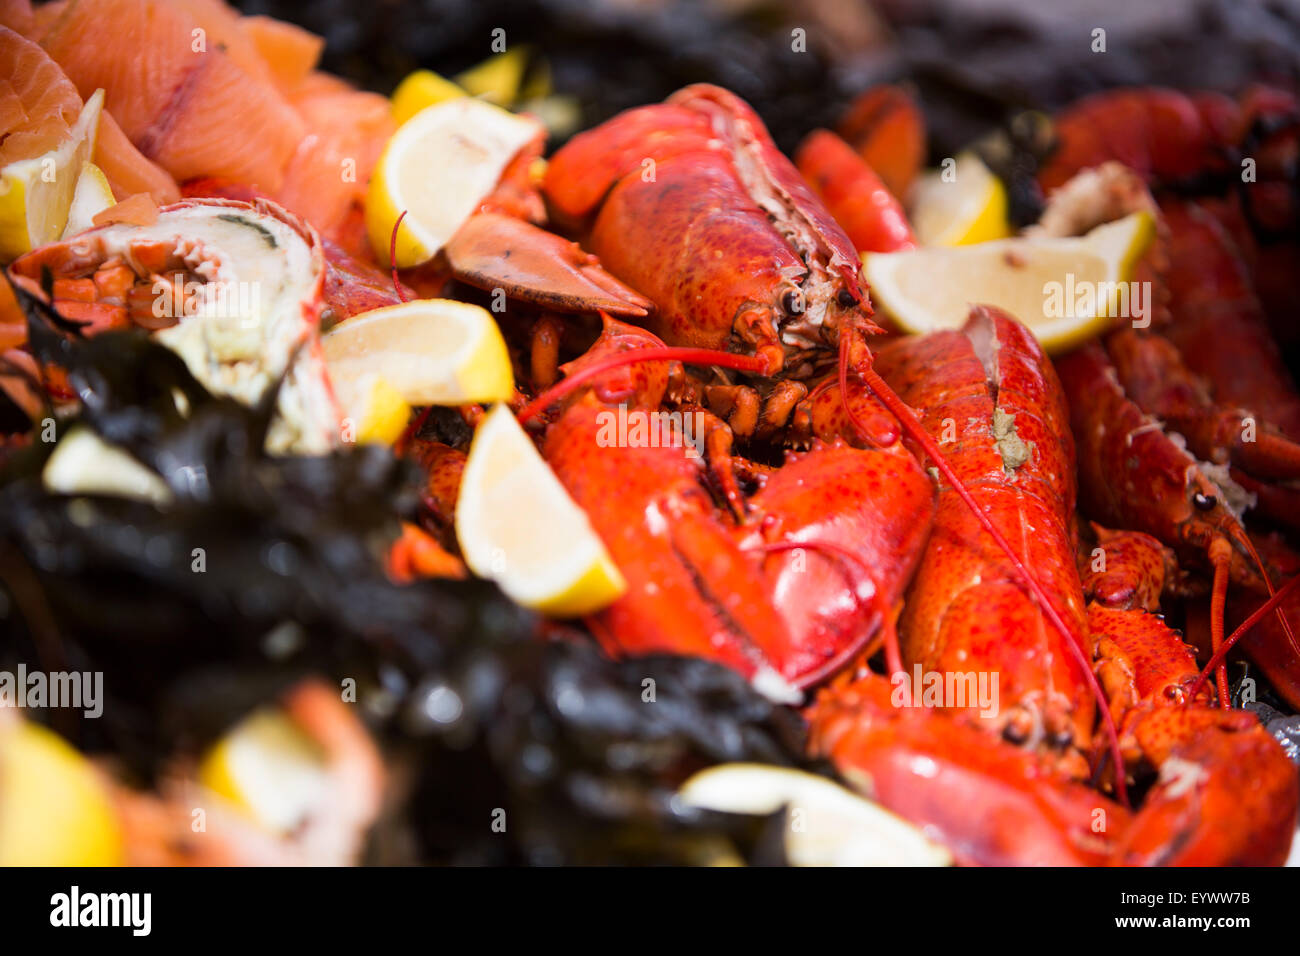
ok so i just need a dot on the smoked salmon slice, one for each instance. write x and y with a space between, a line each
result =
200 132
200 102
290 51
328 174
39 104
126 169
217 98
17 15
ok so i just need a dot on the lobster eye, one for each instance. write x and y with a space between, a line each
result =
1204 502
845 299
792 302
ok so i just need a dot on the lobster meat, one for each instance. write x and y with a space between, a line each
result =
235 288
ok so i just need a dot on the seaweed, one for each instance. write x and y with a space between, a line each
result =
262 569
578 758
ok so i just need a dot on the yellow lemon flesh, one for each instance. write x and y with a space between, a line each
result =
438 168
420 90
518 526
268 768
965 206
36 193
827 825
374 411
498 78
91 197
1066 290
428 351
54 809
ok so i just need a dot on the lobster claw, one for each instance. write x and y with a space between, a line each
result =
492 251
1226 794
990 802
886 128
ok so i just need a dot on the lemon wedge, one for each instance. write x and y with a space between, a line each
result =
518 526
373 410
498 78
91 197
36 193
970 207
429 351
827 825
268 768
1065 290
54 809
420 90
438 167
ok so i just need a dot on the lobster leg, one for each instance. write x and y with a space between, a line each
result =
1265 642
1155 377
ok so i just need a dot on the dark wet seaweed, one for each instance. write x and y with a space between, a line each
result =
264 569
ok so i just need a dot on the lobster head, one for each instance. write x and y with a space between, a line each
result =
691 204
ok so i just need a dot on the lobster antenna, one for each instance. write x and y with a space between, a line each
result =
659 353
898 408
1239 633
392 257
1221 557
1268 583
